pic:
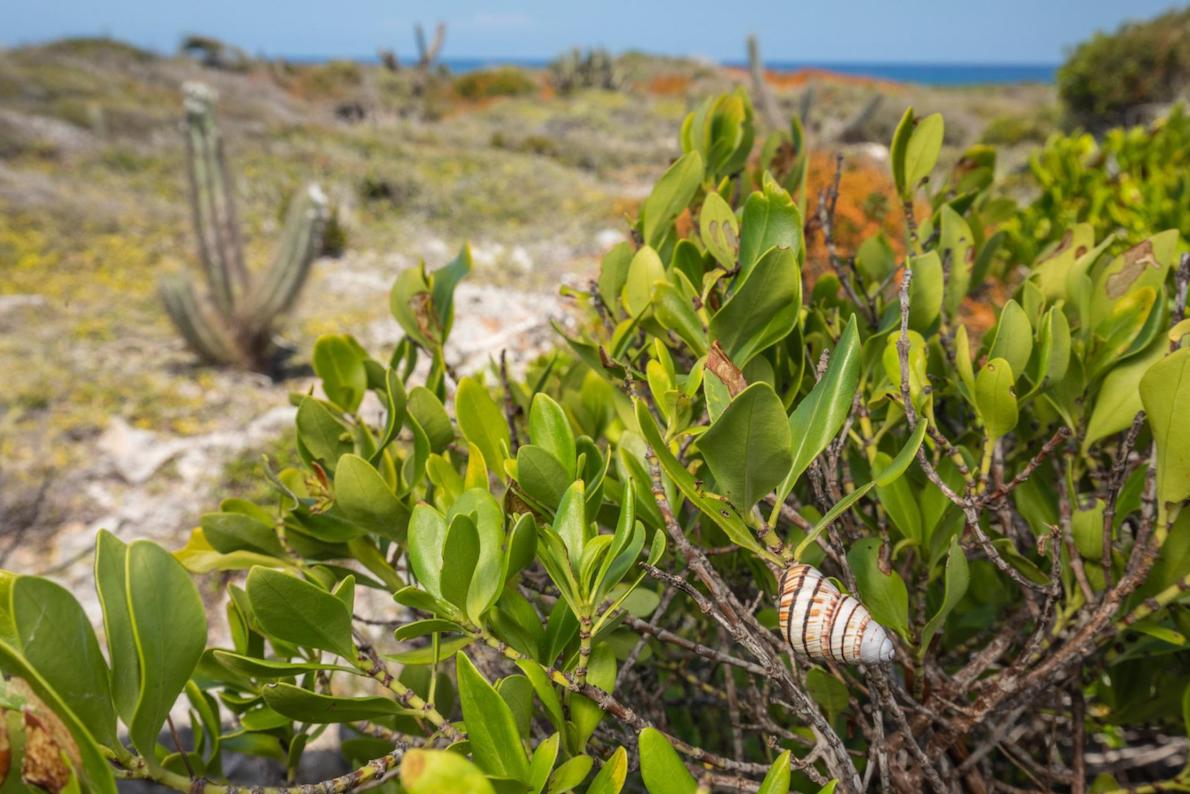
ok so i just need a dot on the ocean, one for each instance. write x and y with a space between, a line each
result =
939 74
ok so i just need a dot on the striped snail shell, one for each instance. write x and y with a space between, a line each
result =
822 623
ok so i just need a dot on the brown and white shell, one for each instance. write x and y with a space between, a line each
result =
822 623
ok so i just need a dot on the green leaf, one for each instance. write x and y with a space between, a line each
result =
727 520
306 706
674 311
925 291
550 429
445 280
770 221
571 521
820 415
921 151
488 581
1165 392
763 310
169 627
614 772
439 771
58 641
298 612
228 532
269 668
459 556
491 728
341 366
956 243
542 762
96 769
670 196
720 230
1086 527
541 476
898 149
777 779
571 774
748 448
1013 339
365 498
956 579
409 302
995 400
898 499
644 272
427 536
661 767
545 691
1119 400
482 423
885 596
425 407
613 272
321 433
111 555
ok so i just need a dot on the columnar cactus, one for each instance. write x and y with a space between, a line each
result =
575 70
233 322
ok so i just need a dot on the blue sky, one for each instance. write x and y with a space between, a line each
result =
963 31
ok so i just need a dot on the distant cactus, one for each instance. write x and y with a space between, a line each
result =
233 323
576 70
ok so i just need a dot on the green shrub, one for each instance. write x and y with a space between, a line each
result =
489 83
590 558
1130 184
1110 76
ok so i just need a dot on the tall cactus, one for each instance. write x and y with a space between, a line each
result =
233 322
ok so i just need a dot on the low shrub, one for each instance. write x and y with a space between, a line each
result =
489 83
1109 78
733 534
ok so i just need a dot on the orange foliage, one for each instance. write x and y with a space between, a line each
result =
668 84
867 205
800 77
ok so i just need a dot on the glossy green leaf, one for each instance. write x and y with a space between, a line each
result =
821 413
672 193
482 423
763 310
720 230
426 539
922 150
1165 393
749 447
341 366
885 596
459 556
1013 338
612 774
169 627
770 220
111 556
776 781
57 639
541 763
926 289
727 520
491 728
366 499
439 771
662 767
298 612
306 706
550 429
644 272
995 399
898 148
570 774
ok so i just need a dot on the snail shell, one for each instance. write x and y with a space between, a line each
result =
822 623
